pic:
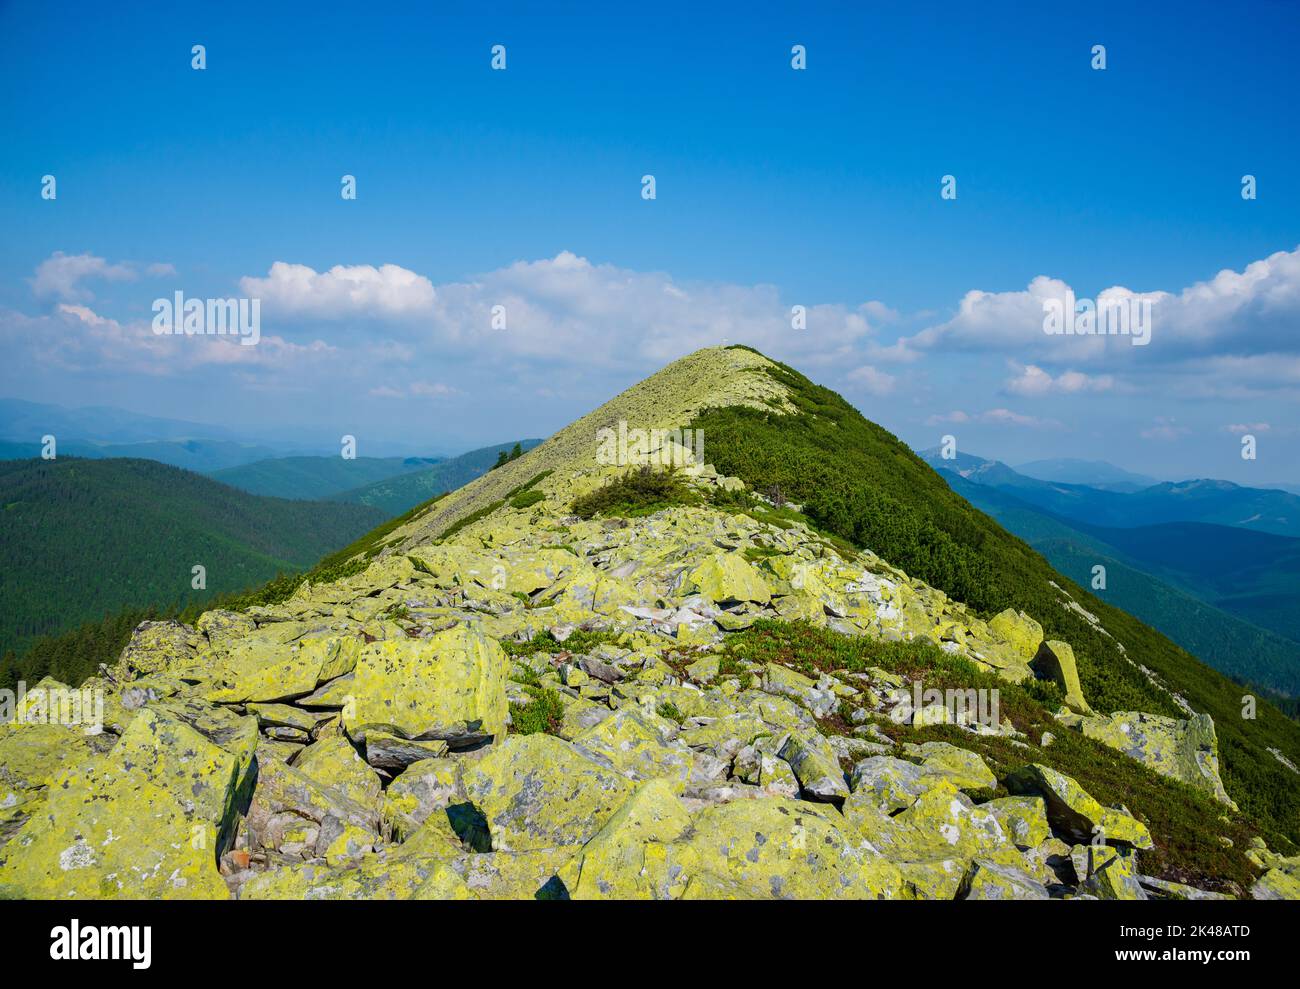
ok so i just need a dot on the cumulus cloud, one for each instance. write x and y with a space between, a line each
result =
75 337
343 292
567 309
1031 381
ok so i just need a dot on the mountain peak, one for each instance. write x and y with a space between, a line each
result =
518 689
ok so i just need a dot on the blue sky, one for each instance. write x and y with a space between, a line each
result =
775 188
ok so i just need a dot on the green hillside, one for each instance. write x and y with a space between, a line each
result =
857 480
83 538
317 477
397 494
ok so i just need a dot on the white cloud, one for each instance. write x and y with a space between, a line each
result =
59 275
343 292
1032 381
1234 312
872 381
992 417
76 338
416 389
1240 429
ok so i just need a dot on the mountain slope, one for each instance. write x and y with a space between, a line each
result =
394 495
770 426
81 538
317 477
646 684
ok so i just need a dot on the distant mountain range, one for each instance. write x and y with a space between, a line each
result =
100 432
1094 473
1226 593
394 495
1220 502
317 477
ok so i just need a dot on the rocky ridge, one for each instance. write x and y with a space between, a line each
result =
538 706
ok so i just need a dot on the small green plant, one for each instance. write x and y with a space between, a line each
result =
642 491
670 711
526 499
543 714
398 612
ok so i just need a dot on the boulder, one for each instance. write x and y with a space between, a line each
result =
1073 812
537 791
727 577
109 832
451 687
1055 661
993 881
1183 750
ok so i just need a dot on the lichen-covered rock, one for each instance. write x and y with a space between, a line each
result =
815 765
333 763
393 754
1019 631
962 768
1111 875
515 875
994 881
1183 750
1277 884
1074 812
613 863
639 745
451 687
770 848
425 788
157 647
536 791
379 877
106 832
1055 661
808 693
729 577
205 762
291 813
1023 819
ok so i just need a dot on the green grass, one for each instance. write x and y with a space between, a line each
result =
544 714
579 641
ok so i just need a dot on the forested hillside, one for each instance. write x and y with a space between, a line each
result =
80 539
399 493
317 477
